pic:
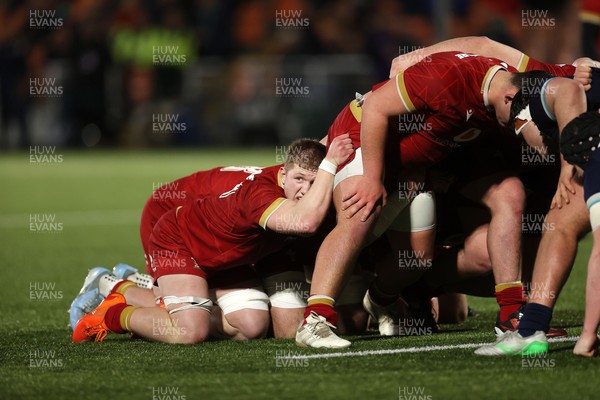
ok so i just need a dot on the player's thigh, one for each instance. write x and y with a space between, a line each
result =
572 219
186 300
355 228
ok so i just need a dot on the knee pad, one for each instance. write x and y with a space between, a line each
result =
253 298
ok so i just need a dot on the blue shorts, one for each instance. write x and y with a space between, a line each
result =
591 180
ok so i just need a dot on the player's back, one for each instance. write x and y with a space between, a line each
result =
229 228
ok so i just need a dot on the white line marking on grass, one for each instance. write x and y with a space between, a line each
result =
76 218
406 350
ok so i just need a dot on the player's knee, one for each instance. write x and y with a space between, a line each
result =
570 226
251 324
507 196
190 334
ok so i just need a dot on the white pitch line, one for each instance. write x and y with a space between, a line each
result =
76 218
405 350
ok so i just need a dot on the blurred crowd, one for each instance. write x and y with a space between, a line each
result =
142 73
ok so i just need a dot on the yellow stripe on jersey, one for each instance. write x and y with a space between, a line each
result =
269 211
356 110
589 17
177 211
523 61
403 93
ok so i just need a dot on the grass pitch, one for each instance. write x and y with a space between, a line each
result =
60 218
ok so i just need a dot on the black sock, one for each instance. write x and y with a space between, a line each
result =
535 318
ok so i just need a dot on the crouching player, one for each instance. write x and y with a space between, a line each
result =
579 145
237 227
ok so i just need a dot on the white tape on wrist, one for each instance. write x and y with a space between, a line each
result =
328 166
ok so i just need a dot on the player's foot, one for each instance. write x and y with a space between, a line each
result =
511 323
89 296
83 304
316 332
512 343
92 325
123 270
587 347
386 316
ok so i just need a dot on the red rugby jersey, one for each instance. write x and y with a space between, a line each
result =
202 183
229 228
529 64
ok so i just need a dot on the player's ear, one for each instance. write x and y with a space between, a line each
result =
283 175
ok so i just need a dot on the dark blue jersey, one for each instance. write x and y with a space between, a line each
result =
591 180
545 119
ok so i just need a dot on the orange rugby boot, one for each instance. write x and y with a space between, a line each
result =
92 325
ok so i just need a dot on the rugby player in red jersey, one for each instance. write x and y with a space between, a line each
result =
239 226
455 95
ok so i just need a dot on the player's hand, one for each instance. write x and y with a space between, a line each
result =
363 195
583 73
565 186
340 149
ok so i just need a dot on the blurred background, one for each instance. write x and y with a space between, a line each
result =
157 73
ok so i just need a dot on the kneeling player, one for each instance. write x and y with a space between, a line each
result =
216 232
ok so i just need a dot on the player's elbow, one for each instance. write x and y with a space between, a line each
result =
482 41
310 226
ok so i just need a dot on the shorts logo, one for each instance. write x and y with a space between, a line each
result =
468 135
469 113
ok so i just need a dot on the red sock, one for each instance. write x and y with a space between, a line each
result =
510 300
112 319
322 305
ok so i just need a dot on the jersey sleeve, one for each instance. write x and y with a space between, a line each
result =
529 64
261 200
442 81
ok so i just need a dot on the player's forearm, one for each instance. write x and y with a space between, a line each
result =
311 209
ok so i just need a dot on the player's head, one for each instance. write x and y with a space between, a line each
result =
530 85
580 138
300 167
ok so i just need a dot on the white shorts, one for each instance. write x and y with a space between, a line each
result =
287 289
420 216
